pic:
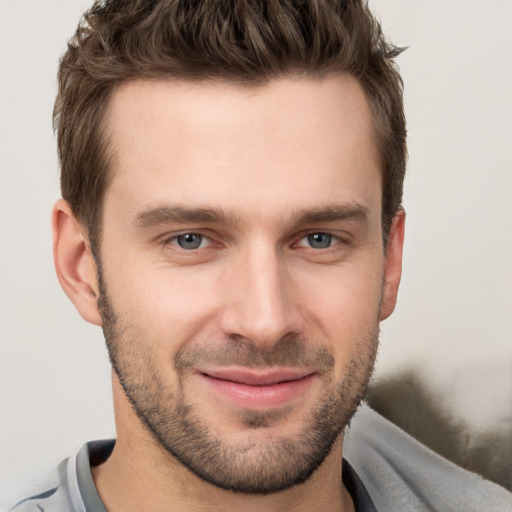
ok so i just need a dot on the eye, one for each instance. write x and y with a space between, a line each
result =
190 241
319 240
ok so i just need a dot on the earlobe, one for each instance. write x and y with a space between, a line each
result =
393 265
74 262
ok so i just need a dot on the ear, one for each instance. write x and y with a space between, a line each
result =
393 264
74 263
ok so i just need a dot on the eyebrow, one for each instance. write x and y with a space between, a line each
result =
181 214
166 214
332 213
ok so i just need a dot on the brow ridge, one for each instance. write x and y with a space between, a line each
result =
332 213
166 214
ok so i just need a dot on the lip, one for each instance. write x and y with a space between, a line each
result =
258 389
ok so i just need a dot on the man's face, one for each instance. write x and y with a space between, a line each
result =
242 270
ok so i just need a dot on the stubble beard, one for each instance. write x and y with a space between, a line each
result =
251 466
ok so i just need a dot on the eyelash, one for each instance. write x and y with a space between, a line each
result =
332 238
173 240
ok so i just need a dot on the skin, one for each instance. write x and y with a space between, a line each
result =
273 160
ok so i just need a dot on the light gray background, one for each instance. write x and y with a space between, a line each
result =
453 325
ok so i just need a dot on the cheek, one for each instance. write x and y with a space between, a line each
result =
346 306
170 305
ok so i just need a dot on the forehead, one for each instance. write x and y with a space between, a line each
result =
290 142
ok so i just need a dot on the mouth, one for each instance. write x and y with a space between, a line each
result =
258 389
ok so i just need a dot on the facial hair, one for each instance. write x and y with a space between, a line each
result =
249 466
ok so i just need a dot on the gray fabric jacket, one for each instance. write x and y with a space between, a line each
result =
399 474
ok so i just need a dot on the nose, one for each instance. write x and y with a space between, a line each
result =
261 306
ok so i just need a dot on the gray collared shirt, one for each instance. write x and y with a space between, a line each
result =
73 489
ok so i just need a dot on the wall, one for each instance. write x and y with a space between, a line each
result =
450 338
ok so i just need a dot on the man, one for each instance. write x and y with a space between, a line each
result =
232 177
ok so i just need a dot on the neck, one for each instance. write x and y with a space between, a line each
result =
141 475
131 480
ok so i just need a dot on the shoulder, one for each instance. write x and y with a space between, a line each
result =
46 501
49 493
402 474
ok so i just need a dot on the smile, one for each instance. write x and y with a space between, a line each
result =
251 389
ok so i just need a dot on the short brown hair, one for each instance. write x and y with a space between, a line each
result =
244 41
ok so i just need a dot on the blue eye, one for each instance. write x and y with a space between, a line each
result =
190 241
319 240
